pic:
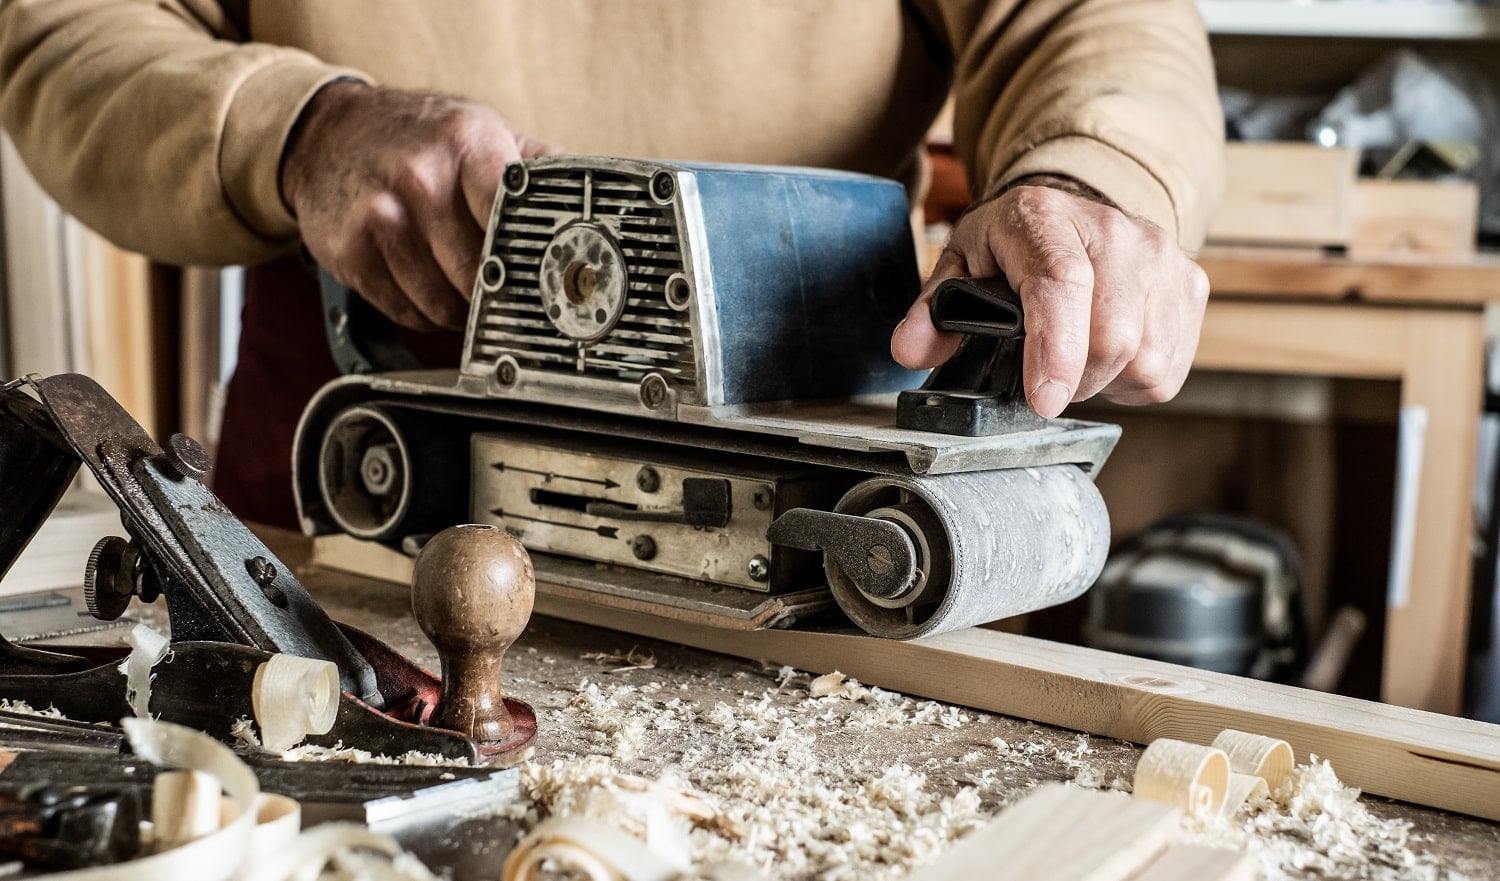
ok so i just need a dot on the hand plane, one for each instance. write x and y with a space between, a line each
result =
232 604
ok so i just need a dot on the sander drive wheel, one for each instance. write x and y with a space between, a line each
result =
385 473
989 545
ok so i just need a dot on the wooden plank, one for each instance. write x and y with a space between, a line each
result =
1061 833
1285 193
1319 338
1301 273
1190 862
1411 755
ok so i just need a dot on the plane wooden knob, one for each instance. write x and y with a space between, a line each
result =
472 593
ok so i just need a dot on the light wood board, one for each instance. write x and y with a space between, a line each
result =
1187 862
1414 218
1285 193
1061 833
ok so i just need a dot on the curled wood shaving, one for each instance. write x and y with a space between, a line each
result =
1314 826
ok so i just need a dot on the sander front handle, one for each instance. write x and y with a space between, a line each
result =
977 392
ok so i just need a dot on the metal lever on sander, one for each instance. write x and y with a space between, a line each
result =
877 555
360 339
978 391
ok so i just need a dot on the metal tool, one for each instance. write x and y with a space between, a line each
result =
1215 591
69 827
448 816
232 604
676 390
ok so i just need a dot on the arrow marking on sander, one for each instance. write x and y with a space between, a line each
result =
550 476
601 531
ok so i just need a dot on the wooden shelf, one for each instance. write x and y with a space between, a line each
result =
1396 19
1307 273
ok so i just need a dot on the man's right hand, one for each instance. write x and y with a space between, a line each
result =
392 191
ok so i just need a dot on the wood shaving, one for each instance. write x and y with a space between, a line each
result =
749 789
635 659
739 782
11 706
244 733
1315 826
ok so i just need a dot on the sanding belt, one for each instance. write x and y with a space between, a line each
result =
1020 540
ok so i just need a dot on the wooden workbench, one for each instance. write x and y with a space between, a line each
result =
1420 323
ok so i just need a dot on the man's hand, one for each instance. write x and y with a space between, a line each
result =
1112 304
392 191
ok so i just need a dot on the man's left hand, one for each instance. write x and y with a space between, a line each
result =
1113 305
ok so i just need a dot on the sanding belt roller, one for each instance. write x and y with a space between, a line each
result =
676 390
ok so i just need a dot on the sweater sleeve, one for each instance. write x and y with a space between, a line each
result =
1118 94
152 125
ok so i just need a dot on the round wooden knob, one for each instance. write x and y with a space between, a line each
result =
472 593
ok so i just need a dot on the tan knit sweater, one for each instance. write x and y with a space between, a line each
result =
162 124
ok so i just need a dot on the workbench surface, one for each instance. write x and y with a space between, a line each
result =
855 784
592 688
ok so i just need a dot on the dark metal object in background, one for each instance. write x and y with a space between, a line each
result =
978 391
1212 591
36 466
360 338
70 827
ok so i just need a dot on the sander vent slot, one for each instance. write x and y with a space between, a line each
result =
649 336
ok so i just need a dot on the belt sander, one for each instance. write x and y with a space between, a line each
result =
676 390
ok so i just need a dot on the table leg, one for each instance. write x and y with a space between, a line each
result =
1427 631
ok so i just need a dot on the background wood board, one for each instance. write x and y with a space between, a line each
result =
1420 757
1061 833
56 555
1440 218
1285 193
1303 272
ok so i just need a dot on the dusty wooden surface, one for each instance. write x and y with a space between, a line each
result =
554 661
547 666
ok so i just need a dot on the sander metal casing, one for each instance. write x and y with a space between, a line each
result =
636 287
676 390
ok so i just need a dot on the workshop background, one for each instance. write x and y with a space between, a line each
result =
1344 411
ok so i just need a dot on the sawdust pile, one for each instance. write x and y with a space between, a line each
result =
1316 827
10 706
742 784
